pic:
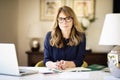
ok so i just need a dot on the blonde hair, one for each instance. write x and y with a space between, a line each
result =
76 32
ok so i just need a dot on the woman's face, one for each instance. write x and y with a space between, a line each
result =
65 22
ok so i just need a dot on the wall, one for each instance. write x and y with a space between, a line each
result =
8 20
17 15
29 13
93 33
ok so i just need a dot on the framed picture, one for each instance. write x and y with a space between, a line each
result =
48 8
84 8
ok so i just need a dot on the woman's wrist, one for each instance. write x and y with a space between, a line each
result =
71 64
67 64
50 64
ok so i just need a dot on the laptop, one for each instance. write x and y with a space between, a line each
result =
9 62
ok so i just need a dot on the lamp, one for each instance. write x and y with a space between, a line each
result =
111 36
35 34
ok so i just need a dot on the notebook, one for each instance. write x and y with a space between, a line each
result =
94 67
9 62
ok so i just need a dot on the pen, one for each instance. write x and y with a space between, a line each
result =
80 70
48 73
55 70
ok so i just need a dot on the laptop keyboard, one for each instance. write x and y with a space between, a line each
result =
22 70
27 71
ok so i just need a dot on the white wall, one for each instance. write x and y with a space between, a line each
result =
93 33
25 12
29 13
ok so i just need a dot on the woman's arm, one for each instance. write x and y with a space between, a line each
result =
47 48
81 52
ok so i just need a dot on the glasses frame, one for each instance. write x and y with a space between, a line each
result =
66 19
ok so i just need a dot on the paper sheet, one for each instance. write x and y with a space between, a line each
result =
77 69
111 78
75 75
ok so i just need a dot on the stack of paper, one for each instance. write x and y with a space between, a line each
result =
77 69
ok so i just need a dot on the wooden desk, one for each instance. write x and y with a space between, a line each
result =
91 75
90 58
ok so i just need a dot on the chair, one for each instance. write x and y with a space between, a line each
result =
41 64
85 64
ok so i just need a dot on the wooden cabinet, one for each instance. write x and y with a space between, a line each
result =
34 57
96 58
90 58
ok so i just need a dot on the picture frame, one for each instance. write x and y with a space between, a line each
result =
84 8
48 8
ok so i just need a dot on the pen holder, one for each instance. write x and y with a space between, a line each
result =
114 61
115 71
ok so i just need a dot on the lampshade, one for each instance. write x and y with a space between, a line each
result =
35 31
111 30
111 36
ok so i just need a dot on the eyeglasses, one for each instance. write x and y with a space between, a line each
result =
67 19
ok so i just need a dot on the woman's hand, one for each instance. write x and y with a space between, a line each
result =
62 65
51 64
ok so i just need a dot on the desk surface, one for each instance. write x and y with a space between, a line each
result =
91 75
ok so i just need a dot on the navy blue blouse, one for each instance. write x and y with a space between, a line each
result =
68 53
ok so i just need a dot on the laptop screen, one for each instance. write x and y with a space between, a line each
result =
9 62
8 59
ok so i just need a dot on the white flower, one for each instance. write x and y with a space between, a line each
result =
85 22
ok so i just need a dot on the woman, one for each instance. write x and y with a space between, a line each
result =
64 46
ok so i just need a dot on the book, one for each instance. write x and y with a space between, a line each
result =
94 67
